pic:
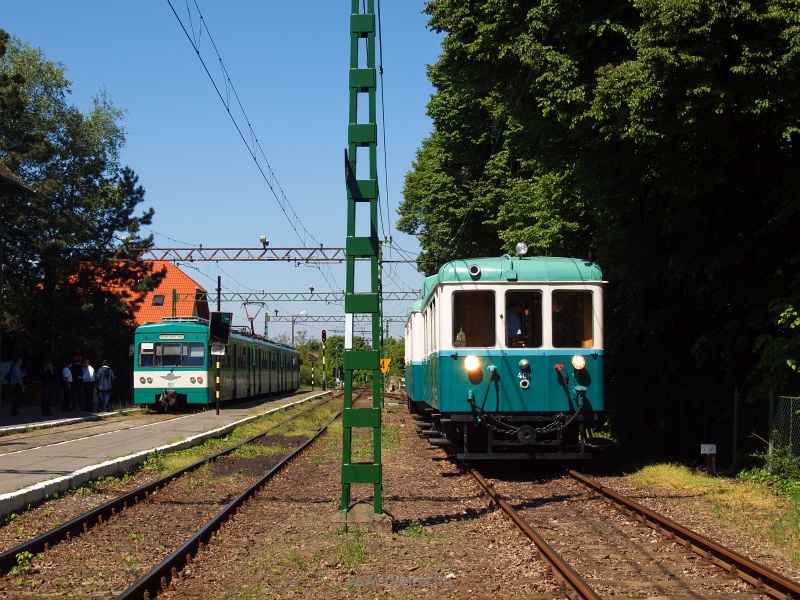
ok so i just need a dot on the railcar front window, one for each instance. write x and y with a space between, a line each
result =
523 319
473 319
172 354
572 319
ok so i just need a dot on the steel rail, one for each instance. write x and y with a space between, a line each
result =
557 563
160 576
762 578
81 523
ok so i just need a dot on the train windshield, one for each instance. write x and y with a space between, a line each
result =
473 319
523 319
572 319
172 354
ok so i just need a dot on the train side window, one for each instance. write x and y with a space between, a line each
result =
473 319
197 354
146 354
572 319
523 319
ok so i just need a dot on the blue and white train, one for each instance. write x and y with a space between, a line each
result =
504 356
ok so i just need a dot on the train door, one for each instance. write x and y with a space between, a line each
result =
260 371
248 357
278 371
283 370
432 367
284 379
234 350
269 371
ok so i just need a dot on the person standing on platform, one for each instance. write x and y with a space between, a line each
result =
88 386
105 378
48 385
66 385
17 376
76 397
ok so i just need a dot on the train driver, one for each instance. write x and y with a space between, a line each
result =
514 312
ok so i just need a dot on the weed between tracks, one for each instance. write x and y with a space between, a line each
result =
304 425
362 441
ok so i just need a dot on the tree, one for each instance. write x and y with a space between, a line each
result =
659 135
500 166
61 292
395 350
701 124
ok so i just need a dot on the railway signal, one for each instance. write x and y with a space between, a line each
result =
219 328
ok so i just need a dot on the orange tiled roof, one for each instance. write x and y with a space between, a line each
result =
9 179
151 310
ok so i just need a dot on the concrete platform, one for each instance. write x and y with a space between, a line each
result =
42 455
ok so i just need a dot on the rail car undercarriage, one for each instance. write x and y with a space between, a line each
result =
508 436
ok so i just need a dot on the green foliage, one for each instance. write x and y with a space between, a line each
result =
395 349
61 291
658 136
780 470
334 360
23 565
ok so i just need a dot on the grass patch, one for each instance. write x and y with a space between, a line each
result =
361 442
167 463
350 549
255 450
415 529
729 499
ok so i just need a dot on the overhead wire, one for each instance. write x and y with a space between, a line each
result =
383 198
381 88
255 150
254 147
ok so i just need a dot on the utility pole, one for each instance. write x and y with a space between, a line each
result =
362 194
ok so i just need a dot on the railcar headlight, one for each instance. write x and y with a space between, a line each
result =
471 363
578 362
192 379
524 365
521 248
149 380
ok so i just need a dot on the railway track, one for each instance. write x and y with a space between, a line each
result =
148 533
600 543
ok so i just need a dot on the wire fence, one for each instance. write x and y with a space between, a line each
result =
785 423
679 417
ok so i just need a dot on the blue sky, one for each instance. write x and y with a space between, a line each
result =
287 63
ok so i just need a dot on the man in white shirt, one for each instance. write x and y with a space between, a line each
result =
88 385
66 384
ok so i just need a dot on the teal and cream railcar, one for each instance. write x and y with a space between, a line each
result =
415 384
173 365
501 385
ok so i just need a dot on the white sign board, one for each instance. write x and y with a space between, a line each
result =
708 448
